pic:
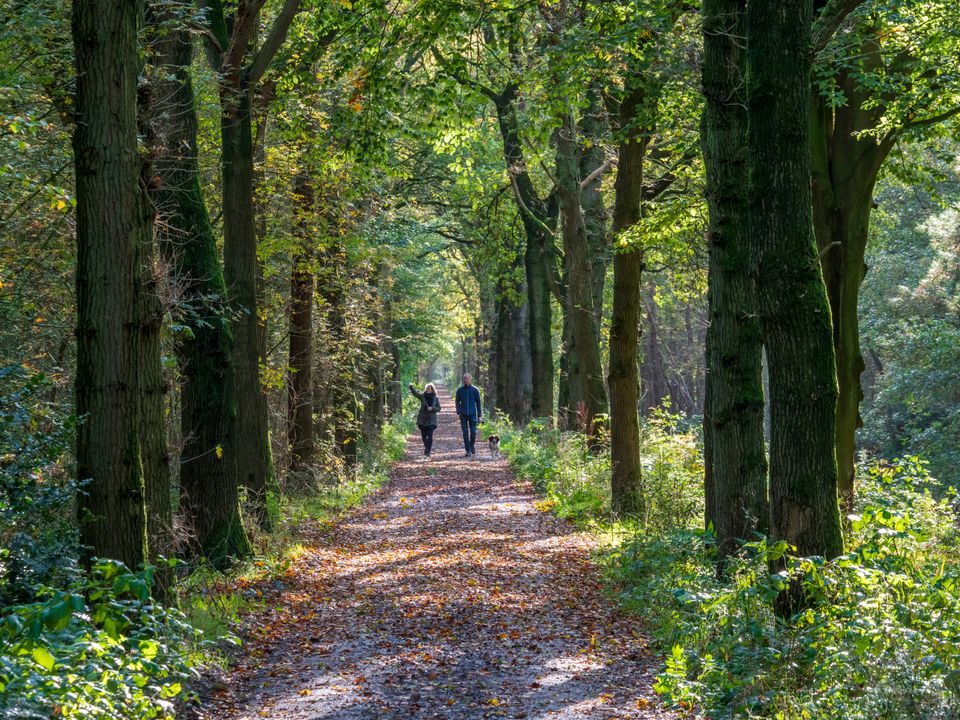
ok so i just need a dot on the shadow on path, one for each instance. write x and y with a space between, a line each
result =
447 595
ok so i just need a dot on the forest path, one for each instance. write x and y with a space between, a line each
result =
446 595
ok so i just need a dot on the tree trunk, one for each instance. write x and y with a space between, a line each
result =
251 449
342 401
846 163
594 128
110 235
791 297
152 383
584 325
735 463
628 266
653 371
300 378
535 214
513 360
208 480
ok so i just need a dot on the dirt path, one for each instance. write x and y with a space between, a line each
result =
447 595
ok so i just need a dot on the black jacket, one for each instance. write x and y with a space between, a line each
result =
429 407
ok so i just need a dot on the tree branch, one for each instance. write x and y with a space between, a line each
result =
608 163
832 16
276 38
244 25
463 80
933 119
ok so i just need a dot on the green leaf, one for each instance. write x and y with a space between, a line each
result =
43 658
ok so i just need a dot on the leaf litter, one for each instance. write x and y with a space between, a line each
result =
448 595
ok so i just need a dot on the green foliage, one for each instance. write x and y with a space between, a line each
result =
576 480
911 327
102 649
38 539
880 637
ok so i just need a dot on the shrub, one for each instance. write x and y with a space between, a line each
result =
102 649
879 639
576 480
38 537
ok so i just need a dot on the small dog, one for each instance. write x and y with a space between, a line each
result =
494 442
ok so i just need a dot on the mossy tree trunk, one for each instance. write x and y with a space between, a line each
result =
791 296
153 385
207 475
535 213
735 463
584 325
228 43
847 160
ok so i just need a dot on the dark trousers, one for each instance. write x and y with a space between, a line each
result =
427 434
468 424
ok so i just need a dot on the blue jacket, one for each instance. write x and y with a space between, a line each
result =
468 401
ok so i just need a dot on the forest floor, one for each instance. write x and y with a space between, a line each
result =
448 594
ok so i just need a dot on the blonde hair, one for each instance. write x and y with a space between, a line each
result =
430 386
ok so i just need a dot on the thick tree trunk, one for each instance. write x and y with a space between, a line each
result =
846 163
535 214
584 325
300 378
791 297
342 401
188 247
251 442
628 266
594 128
735 463
110 234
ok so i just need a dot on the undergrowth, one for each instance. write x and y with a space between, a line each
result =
878 640
98 643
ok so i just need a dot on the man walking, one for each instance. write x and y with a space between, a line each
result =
468 408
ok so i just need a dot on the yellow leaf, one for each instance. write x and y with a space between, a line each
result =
219 452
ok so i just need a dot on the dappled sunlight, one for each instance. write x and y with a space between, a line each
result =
448 595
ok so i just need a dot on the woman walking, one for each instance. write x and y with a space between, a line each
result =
427 417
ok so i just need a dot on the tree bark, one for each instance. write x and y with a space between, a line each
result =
513 365
628 266
584 325
111 232
300 377
791 297
536 216
207 475
152 387
251 450
735 463
846 163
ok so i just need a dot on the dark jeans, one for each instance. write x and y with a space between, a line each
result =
427 434
468 424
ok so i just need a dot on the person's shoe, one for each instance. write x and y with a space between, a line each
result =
467 454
